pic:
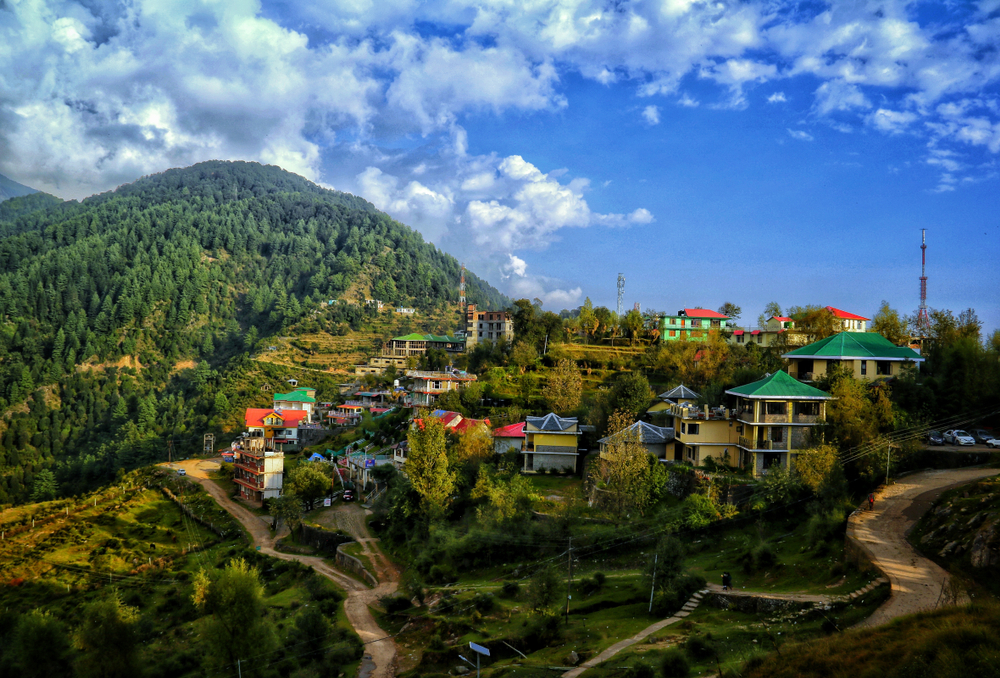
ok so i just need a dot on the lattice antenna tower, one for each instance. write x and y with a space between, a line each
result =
923 321
461 289
621 292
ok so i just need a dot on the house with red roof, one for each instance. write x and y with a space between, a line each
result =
849 321
507 437
776 326
691 324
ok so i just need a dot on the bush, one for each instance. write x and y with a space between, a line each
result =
674 665
510 589
756 557
484 603
640 670
543 630
700 647
672 597
395 604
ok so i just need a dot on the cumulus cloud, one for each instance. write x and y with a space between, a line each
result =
893 122
651 114
777 97
800 135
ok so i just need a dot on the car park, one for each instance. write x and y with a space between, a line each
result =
934 438
958 437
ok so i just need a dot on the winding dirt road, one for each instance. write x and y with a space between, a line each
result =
917 583
379 647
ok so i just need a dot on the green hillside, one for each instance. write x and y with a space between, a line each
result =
11 189
126 319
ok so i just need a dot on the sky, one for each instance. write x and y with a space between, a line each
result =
710 152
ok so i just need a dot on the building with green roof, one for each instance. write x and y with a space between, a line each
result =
775 419
869 355
299 399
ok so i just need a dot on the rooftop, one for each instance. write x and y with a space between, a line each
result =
862 345
427 337
511 431
290 418
703 313
844 315
681 392
551 422
648 433
296 396
779 385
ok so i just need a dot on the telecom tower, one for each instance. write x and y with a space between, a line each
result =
461 289
621 292
923 322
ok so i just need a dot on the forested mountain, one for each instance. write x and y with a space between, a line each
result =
103 301
11 189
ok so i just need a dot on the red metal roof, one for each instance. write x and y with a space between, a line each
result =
737 333
289 418
703 313
461 426
781 318
450 419
755 332
511 431
844 315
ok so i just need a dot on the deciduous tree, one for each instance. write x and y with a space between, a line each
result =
564 387
309 482
890 325
109 640
427 465
623 468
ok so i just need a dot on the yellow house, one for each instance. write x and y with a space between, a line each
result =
656 439
550 443
775 418
868 355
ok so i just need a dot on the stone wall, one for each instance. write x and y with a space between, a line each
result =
322 540
354 565
752 604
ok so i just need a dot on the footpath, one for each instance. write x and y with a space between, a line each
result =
380 649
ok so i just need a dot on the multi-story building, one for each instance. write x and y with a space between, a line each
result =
778 328
775 420
398 351
869 355
701 433
427 386
258 462
692 324
486 326
550 443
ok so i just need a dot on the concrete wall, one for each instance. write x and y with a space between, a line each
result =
559 462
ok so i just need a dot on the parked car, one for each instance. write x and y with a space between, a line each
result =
181 472
935 438
958 437
980 436
348 495
993 442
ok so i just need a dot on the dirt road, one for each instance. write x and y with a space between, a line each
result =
380 647
917 583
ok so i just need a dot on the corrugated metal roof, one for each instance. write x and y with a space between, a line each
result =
648 434
844 315
681 392
779 385
863 345
551 422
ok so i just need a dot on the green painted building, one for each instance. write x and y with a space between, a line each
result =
692 324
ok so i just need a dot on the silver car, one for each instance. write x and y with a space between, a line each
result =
958 437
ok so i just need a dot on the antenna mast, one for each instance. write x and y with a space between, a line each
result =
923 321
621 292
461 289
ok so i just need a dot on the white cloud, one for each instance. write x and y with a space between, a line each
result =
651 114
800 135
838 95
517 266
892 122
641 216
777 97
688 102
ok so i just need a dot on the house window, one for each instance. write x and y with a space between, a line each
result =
864 368
695 323
436 385
807 409
673 333
739 339
694 428
776 408
883 368
683 427
777 434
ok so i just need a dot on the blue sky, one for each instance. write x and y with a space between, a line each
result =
711 152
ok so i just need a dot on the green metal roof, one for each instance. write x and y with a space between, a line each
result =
779 385
855 345
294 397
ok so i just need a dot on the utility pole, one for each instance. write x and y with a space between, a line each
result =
652 587
170 450
569 578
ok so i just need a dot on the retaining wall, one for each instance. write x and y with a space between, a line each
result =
354 565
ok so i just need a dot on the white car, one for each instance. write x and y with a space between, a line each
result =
958 437
993 442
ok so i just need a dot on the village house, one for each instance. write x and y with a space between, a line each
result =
692 324
868 355
487 326
849 321
778 328
508 437
258 461
655 439
775 420
678 394
348 414
427 386
398 351
303 398
550 443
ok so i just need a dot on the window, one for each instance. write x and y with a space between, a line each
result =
683 427
807 409
739 339
864 368
693 429
883 368
776 408
777 434
673 333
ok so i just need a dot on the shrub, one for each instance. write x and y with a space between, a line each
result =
674 665
700 647
394 604
640 670
543 630
509 589
484 603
